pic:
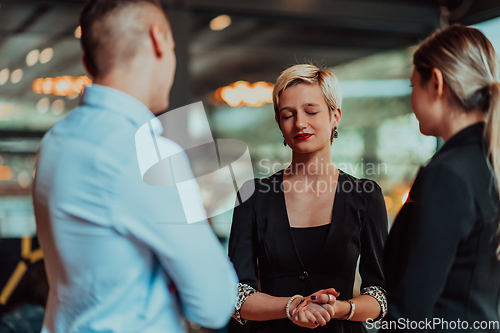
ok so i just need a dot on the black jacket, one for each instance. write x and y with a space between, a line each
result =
439 260
261 243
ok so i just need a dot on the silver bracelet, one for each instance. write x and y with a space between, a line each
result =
351 312
287 308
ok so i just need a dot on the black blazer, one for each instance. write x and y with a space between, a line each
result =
440 255
261 244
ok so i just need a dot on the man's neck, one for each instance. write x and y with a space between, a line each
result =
127 84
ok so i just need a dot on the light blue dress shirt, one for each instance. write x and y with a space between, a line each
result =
119 254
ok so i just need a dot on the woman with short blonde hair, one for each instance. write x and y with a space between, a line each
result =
295 246
310 74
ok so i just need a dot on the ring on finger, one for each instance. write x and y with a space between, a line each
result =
330 298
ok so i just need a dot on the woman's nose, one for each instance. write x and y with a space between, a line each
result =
300 123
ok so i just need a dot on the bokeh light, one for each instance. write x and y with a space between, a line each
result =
58 106
46 55
32 57
78 32
24 179
61 85
43 105
16 76
244 93
220 22
4 76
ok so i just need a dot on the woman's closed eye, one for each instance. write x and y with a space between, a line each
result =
309 113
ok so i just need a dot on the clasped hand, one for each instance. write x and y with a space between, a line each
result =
316 309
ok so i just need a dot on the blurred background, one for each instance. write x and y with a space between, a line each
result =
229 54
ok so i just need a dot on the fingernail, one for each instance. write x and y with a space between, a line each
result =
316 322
313 298
301 302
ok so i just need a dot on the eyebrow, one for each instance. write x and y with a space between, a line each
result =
303 105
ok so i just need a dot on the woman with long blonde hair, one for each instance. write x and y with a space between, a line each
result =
441 259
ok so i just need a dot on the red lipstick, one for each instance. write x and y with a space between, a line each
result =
303 136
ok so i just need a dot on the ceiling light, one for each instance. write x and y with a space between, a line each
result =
16 75
245 93
61 85
32 57
5 173
78 32
220 22
46 55
5 110
58 106
47 86
43 105
4 76
24 179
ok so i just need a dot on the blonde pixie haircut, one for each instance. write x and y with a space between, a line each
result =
308 74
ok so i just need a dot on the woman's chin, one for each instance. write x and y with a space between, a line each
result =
305 148
425 131
302 150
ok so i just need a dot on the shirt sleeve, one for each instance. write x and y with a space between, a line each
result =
243 245
189 253
374 235
424 241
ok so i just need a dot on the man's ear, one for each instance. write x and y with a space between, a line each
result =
158 37
438 84
88 66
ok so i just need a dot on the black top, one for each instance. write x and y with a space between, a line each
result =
309 241
261 245
440 255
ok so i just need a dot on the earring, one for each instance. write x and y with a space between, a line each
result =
335 134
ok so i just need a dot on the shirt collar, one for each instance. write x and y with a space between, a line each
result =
469 135
117 101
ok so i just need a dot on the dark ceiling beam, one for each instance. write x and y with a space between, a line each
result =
21 134
320 42
268 37
266 66
355 14
46 2
279 40
78 3
480 11
356 9
37 13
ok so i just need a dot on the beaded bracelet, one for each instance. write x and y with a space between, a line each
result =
287 308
